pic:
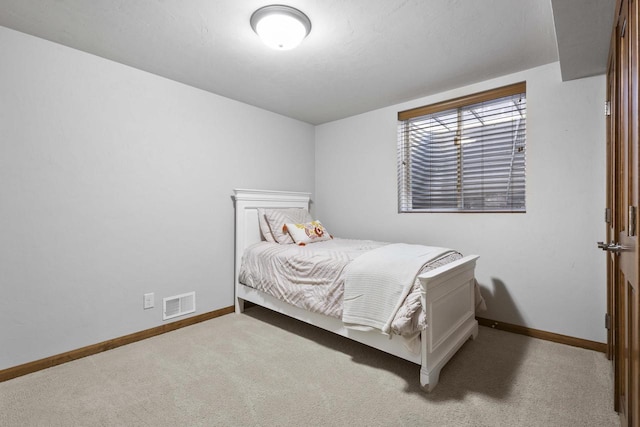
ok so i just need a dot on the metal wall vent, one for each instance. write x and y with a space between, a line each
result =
178 305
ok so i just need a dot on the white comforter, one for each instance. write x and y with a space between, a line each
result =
312 277
378 282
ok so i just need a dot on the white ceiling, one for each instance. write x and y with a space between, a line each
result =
360 54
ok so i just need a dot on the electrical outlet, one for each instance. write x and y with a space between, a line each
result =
148 300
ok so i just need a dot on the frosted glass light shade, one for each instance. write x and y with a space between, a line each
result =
280 27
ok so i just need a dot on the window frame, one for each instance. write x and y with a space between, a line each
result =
404 154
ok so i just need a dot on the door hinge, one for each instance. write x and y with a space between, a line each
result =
632 221
607 108
607 215
607 321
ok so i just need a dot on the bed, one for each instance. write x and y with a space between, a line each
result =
447 293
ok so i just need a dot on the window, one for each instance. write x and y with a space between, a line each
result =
464 155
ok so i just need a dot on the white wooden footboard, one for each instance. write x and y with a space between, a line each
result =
447 294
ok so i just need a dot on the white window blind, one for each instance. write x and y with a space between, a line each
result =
464 155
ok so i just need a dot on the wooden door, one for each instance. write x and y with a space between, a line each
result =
622 199
610 219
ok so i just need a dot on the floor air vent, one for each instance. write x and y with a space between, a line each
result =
178 305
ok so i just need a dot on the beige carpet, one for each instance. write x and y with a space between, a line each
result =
262 369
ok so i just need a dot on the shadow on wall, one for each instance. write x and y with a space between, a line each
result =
499 300
488 365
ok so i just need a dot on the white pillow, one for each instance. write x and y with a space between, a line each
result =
309 232
277 218
264 226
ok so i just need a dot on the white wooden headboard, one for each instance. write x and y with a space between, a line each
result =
247 203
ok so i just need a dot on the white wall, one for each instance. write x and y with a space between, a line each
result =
115 182
540 269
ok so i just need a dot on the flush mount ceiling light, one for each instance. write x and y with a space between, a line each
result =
280 27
